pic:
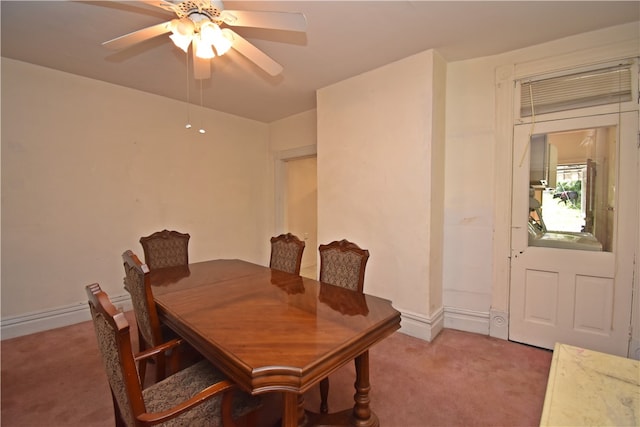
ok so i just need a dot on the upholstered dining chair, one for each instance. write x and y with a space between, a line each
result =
151 333
165 249
342 263
286 253
196 395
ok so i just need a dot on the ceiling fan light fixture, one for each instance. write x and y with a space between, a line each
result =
202 48
209 32
183 30
181 41
222 44
212 34
183 26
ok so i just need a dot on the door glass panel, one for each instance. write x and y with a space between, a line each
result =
572 189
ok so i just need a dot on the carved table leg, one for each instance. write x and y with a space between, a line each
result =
363 417
302 414
293 414
361 414
324 394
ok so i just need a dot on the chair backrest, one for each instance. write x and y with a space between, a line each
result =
136 281
286 253
165 249
342 263
114 342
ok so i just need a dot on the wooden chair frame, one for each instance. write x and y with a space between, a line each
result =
148 325
101 305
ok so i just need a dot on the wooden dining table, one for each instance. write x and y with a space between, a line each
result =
272 331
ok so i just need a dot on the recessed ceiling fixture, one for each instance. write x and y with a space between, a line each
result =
202 25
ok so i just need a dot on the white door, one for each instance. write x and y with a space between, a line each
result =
574 285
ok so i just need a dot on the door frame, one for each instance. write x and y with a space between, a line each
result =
505 119
280 183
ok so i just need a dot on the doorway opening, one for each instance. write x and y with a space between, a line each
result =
296 192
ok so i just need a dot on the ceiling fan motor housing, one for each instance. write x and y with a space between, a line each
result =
202 7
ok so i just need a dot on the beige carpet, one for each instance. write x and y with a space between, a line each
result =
55 378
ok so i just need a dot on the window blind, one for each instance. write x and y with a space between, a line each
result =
585 89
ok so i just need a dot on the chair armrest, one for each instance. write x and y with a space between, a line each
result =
158 349
224 386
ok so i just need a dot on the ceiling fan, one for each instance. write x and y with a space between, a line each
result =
202 25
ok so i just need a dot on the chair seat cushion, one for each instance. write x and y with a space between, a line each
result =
185 384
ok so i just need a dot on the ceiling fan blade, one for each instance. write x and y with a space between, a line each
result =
272 20
138 36
201 67
254 54
163 4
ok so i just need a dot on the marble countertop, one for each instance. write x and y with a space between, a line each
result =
589 388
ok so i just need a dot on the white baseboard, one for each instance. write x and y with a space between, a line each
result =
420 326
480 322
413 324
466 320
30 323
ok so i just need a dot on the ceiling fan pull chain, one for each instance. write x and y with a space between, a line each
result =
201 108
188 125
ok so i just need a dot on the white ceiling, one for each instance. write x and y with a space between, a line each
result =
343 39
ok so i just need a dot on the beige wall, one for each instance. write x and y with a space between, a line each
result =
299 130
380 148
469 193
89 167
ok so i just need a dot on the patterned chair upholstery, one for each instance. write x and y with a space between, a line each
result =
286 253
342 263
205 396
165 249
150 331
